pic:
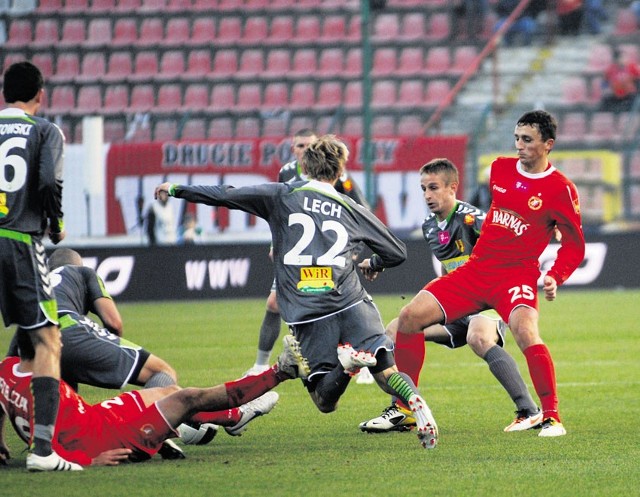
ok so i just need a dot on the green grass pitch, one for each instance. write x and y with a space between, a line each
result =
594 337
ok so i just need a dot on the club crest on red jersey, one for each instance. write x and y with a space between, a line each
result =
535 203
469 219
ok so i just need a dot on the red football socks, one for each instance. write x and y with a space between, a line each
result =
543 376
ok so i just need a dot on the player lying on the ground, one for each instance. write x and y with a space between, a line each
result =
134 425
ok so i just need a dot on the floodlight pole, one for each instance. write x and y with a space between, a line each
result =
365 16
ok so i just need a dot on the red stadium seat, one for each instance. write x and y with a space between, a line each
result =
73 33
411 61
196 97
248 127
223 97
63 100
436 92
120 66
125 32
303 95
278 63
116 99
169 98
329 95
411 93
103 5
165 130
225 63
409 125
221 127
331 62
438 61
276 96
178 31
151 32
463 58
67 67
439 28
198 64
281 29
194 129
383 126
94 67
255 30
384 62
386 27
46 33
229 30
44 61
353 95
353 63
251 63
98 32
334 29
304 62
89 100
172 65
145 66
249 97
383 94
203 32
307 29
413 26
142 98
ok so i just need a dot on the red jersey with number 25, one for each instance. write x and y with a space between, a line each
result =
520 223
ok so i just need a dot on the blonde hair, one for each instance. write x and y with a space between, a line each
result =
325 158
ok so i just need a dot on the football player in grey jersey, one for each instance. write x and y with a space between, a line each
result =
314 231
451 231
289 173
31 155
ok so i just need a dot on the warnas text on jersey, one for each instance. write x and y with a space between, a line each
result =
510 221
322 207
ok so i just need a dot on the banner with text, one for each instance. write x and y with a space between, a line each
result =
133 171
245 270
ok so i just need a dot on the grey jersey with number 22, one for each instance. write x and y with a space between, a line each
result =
314 230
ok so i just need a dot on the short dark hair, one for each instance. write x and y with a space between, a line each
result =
22 82
444 166
545 122
64 257
325 158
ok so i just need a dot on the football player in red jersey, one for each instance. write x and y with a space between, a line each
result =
530 199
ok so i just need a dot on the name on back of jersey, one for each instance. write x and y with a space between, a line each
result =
324 207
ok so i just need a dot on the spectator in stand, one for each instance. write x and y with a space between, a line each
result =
570 13
524 27
469 18
161 225
594 13
620 83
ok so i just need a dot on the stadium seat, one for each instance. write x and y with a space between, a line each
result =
142 98
354 31
248 127
73 33
230 4
172 65
75 6
307 29
353 95
439 28
626 22
94 67
383 94
194 129
20 33
153 5
151 32
88 100
203 32
165 130
45 34
410 61
463 58
603 126
304 62
301 122
572 127
48 6
116 99
98 33
199 5
437 61
274 127
353 63
196 97
10 58
198 65
128 5
103 5
386 27
411 93
181 6
114 130
352 126
331 62
383 126
225 63
229 30
599 59
145 66
255 30
178 32
248 97
436 92
303 95
125 32
282 28
278 63
169 98
67 67
329 95
120 66
384 62
334 29
63 100
409 125
251 63
44 61
222 97
221 127
412 27
575 91
276 96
